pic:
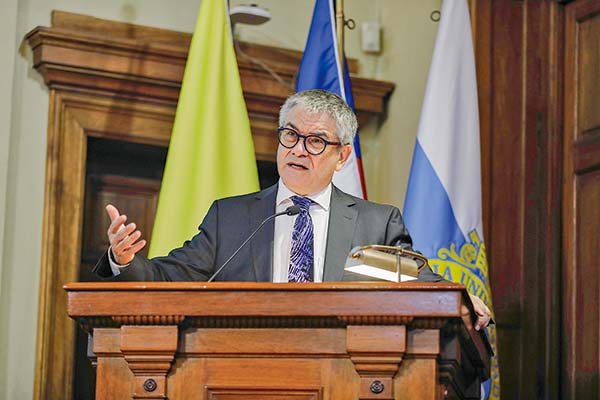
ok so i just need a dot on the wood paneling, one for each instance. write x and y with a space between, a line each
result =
237 393
581 194
519 57
587 53
586 279
313 340
542 190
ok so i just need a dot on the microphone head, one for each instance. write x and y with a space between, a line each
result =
293 210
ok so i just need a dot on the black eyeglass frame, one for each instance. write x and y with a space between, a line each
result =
301 136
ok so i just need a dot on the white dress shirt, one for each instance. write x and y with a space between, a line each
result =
284 225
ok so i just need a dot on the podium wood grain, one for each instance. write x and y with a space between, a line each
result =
320 341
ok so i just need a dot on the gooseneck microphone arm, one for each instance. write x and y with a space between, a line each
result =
291 210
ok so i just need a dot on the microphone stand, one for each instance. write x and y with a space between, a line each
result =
291 210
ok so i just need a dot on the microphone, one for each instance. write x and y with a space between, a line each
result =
291 210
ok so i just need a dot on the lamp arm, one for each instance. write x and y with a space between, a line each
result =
396 250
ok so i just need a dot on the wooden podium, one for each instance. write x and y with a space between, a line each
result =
264 341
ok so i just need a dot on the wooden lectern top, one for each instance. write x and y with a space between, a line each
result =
416 299
377 303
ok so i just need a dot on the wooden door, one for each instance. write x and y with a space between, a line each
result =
581 202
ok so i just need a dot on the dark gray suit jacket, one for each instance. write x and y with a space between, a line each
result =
352 222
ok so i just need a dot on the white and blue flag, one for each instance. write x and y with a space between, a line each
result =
321 69
442 210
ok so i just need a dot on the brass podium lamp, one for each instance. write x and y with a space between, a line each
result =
389 263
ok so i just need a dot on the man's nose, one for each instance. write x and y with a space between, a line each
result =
300 147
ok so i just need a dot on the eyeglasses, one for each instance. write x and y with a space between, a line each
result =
314 144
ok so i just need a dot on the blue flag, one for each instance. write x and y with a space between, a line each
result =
442 210
320 69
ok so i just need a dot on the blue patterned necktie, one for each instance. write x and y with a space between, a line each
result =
302 255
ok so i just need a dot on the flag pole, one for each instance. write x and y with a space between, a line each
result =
320 69
339 26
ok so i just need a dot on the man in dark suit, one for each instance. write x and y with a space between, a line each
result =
315 140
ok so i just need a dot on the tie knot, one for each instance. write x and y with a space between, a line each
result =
302 202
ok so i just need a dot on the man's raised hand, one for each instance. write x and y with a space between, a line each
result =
123 238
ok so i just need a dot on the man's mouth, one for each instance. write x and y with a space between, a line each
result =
297 166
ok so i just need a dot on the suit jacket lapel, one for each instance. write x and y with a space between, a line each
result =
261 207
342 222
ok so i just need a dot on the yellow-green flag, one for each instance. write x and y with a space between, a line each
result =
211 154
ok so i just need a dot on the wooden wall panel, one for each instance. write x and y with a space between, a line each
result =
586 278
541 216
542 191
581 196
505 170
588 62
518 53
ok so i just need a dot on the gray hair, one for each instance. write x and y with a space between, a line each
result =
318 101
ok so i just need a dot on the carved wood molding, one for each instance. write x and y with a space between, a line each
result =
148 320
376 363
149 352
147 64
269 322
236 392
376 320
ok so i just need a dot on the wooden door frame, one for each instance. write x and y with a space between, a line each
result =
73 118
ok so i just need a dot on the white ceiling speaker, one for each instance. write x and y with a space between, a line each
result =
249 14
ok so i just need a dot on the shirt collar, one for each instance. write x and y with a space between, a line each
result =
322 198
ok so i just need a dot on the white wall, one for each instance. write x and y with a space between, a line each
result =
408 40
387 145
8 21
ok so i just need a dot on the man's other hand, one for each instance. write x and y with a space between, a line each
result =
123 238
481 311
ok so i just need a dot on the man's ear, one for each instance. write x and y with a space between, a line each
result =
343 156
